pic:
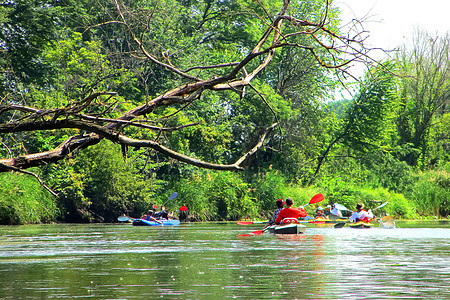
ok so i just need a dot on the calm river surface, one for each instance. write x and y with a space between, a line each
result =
210 261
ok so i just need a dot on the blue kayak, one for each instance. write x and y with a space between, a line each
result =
141 222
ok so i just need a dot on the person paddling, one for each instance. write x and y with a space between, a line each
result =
290 214
336 211
327 211
280 205
149 216
163 214
361 214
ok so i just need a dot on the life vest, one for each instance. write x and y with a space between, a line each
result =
302 212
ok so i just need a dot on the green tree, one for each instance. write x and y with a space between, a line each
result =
212 195
181 54
101 185
365 123
425 94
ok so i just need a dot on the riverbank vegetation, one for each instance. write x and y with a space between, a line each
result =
116 105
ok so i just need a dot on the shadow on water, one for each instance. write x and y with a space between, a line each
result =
210 261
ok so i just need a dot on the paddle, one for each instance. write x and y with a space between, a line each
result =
340 225
259 232
123 219
173 196
316 198
381 205
244 222
250 222
340 207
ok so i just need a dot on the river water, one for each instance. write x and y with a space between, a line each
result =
210 261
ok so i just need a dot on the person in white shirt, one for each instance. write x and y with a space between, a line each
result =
360 214
336 211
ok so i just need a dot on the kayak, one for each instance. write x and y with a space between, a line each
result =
326 221
290 228
250 222
360 224
141 222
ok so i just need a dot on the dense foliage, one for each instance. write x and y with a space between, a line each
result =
389 143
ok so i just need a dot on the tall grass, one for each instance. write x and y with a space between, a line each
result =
338 190
431 193
24 201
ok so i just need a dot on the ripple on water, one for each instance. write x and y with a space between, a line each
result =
202 261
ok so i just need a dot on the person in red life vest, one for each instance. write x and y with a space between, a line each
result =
319 213
361 214
290 214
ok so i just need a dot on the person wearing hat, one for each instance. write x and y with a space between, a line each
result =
280 205
327 211
319 213
289 213
361 214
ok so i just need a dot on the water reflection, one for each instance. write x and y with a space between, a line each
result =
202 261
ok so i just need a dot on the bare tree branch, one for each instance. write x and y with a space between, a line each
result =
341 50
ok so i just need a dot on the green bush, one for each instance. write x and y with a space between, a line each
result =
99 185
431 193
349 194
216 195
266 188
24 201
399 206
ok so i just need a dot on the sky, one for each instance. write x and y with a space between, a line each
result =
392 23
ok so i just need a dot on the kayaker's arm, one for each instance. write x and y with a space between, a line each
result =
156 220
